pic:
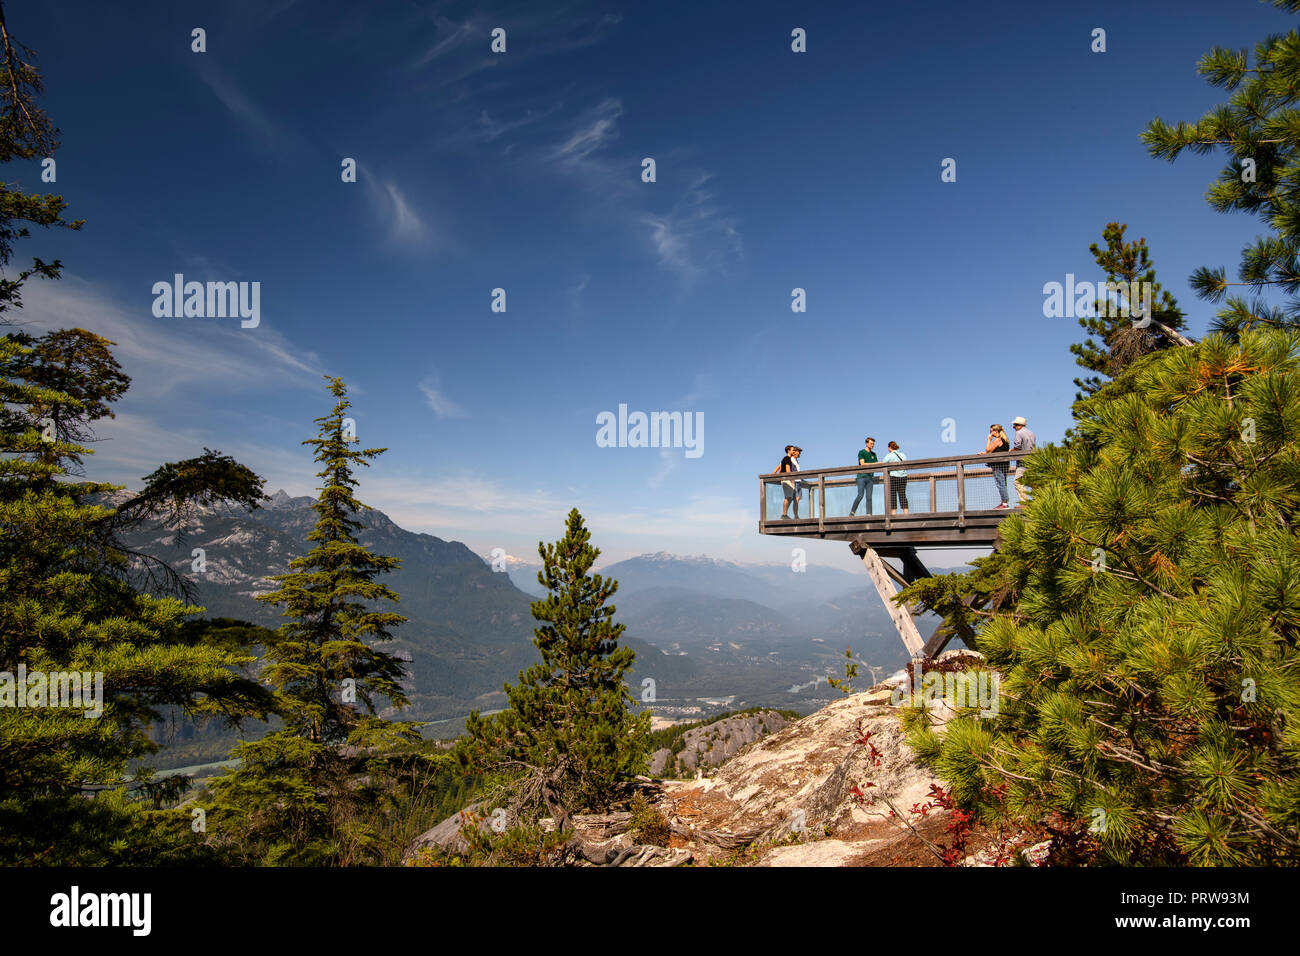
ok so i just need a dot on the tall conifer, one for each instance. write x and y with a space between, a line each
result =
70 600
567 736
297 797
1115 336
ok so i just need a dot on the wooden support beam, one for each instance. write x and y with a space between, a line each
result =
937 642
898 578
913 568
901 616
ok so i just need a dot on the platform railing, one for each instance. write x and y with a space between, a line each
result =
954 486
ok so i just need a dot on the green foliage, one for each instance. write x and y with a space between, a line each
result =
567 737
1114 340
25 133
70 603
301 792
648 824
1258 127
1144 614
329 597
70 606
524 844
842 684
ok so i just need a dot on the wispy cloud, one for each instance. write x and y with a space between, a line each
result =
459 48
481 508
256 123
174 365
451 36
131 445
490 129
464 502
695 235
165 354
575 291
391 207
595 129
441 405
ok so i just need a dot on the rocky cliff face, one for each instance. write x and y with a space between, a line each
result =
840 787
793 796
710 745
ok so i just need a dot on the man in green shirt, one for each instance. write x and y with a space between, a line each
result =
866 455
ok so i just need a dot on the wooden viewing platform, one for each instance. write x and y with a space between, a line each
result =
952 503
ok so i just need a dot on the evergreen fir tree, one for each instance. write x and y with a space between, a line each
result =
68 598
297 797
567 737
328 598
1114 340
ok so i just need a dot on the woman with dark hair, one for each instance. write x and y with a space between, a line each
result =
897 481
997 441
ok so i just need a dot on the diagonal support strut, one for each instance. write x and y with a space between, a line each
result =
883 576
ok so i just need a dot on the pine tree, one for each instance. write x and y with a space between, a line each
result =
1146 621
567 738
1144 610
70 600
1114 339
297 798
1259 129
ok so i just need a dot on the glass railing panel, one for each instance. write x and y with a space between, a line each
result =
842 495
801 495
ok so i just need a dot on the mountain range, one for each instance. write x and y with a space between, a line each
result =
709 634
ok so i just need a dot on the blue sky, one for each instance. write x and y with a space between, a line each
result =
522 171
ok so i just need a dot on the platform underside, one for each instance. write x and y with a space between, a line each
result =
975 529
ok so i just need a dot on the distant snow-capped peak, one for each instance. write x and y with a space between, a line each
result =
663 557
510 560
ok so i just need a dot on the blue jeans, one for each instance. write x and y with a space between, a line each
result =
864 491
1000 479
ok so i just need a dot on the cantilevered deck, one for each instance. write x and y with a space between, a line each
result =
951 503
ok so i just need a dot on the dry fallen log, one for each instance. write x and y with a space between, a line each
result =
719 838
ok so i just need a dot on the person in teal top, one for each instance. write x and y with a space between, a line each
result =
867 456
897 480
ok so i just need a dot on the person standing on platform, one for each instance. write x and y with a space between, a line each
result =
997 441
1025 443
790 465
866 482
897 481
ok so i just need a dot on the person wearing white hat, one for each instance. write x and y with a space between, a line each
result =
1025 443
